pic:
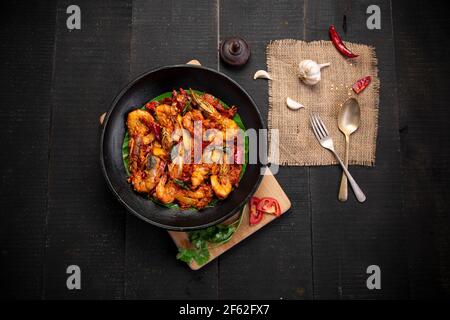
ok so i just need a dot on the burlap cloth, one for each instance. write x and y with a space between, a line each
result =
298 145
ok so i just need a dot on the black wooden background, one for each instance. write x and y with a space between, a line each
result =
56 209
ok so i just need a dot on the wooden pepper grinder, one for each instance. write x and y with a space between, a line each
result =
234 51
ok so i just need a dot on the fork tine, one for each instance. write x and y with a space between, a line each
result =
318 126
322 125
314 127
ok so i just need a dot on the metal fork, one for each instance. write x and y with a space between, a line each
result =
321 133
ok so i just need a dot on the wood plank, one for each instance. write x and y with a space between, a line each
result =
167 33
85 222
422 51
26 64
348 237
283 249
269 187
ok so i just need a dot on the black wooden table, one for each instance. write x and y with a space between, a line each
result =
57 210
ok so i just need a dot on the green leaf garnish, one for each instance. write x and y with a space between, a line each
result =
125 153
200 240
186 108
181 184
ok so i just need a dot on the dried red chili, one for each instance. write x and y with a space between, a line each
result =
255 215
157 131
269 205
205 144
361 84
151 106
166 100
340 46
210 99
219 107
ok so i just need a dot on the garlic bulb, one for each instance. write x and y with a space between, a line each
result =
309 71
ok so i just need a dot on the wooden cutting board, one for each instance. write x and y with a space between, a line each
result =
269 187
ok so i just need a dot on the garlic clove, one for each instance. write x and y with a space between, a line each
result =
194 62
293 105
262 74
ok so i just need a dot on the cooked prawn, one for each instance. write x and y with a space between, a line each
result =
135 147
227 125
197 199
190 117
148 139
145 181
166 115
165 191
139 122
168 119
221 183
199 174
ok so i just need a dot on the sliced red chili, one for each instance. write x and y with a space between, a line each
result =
269 205
361 84
255 215
339 44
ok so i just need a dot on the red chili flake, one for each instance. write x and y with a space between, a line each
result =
361 84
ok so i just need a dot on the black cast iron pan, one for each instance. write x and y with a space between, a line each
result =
146 87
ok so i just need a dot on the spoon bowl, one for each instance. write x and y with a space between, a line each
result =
348 122
349 116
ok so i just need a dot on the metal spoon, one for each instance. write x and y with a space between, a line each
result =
348 122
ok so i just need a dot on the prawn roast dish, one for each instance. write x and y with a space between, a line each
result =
184 149
167 156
